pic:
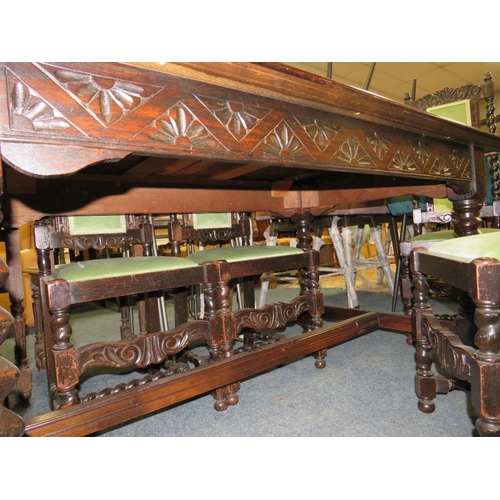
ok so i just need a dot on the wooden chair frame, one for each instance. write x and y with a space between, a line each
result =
136 233
466 349
153 347
474 94
255 327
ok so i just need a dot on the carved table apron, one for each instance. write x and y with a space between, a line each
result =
96 138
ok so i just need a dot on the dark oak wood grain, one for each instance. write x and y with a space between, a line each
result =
96 138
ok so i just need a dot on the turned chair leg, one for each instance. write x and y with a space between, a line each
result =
221 343
425 380
485 379
62 366
40 355
406 278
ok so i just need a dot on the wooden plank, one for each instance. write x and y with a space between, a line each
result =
387 321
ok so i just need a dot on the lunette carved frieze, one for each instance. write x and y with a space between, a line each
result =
29 111
379 144
321 132
403 161
173 117
421 150
282 142
238 118
106 99
353 152
178 126
440 167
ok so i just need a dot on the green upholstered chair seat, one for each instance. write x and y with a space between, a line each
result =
238 254
447 234
468 248
112 268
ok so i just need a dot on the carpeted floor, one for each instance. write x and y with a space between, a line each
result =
366 389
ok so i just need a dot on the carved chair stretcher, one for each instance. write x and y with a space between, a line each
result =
467 349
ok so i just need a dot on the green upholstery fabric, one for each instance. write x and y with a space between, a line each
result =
212 220
442 205
109 268
468 248
238 254
97 224
448 234
458 111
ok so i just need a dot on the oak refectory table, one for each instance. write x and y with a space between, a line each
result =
98 138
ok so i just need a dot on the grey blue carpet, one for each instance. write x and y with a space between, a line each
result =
366 389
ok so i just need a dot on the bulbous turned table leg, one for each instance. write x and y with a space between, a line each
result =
468 220
302 222
309 285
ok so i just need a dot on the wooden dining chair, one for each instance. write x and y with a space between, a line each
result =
77 236
62 288
177 240
255 325
417 214
277 229
466 347
458 104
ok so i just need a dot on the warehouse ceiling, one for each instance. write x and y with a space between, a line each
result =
393 79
